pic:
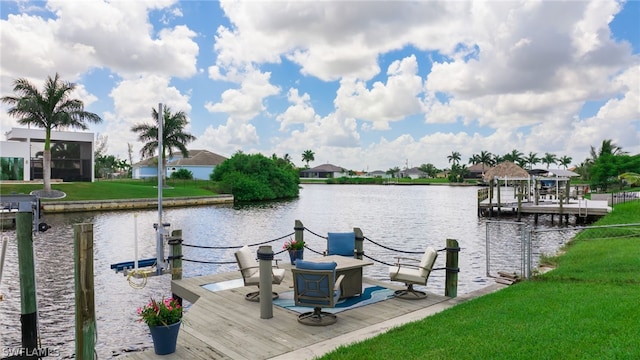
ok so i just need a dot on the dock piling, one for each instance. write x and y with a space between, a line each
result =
359 243
265 257
85 298
452 270
175 241
26 268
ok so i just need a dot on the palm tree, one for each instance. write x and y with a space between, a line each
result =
173 135
607 148
455 157
565 161
532 159
307 156
549 159
50 109
485 158
514 156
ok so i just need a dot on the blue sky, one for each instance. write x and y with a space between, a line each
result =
366 85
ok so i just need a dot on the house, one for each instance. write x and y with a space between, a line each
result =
324 171
477 171
379 174
21 156
200 162
413 173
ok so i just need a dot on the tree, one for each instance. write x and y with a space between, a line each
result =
565 161
532 159
485 158
549 159
50 109
256 177
393 171
514 156
307 156
458 173
454 157
429 169
173 136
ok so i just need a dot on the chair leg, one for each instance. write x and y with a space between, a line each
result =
255 296
317 317
410 293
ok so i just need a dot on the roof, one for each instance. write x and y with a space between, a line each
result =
414 170
199 158
479 168
506 169
325 168
562 172
196 158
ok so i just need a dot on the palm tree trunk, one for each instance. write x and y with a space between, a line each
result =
46 170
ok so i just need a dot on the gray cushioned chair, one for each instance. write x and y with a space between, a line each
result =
250 270
315 285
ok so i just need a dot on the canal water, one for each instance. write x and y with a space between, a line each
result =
407 218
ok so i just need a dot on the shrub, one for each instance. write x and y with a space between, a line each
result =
182 174
256 177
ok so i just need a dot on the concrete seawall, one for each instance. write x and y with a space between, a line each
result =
51 207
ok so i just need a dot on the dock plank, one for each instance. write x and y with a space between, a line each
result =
223 325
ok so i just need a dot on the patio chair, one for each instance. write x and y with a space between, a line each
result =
250 270
413 272
315 285
341 244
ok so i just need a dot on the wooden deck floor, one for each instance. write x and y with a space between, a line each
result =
223 325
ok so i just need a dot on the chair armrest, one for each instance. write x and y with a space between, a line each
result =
336 286
250 267
406 258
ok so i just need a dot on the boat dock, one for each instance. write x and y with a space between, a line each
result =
221 324
492 203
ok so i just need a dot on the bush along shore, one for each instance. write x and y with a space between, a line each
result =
586 308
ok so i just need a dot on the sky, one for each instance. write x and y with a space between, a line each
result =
365 85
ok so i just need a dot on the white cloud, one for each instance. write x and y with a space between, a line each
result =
246 102
301 112
392 101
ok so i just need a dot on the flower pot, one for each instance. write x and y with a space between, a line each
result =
165 338
296 254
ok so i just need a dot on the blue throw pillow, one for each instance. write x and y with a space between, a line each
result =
310 265
341 243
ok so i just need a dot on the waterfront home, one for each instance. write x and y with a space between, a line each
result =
200 162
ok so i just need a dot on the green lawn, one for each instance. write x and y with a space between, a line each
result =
118 189
587 308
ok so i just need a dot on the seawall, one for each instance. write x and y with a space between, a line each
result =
51 207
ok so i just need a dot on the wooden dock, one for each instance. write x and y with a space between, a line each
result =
579 208
223 325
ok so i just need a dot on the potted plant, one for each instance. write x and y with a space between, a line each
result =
164 319
295 249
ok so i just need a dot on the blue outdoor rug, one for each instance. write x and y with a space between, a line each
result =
371 294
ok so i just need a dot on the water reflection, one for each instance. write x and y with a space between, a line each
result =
402 217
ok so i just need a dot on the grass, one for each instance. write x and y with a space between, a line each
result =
584 309
117 189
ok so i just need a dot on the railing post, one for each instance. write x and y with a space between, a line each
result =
359 243
451 279
26 268
265 258
85 298
176 260
298 229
